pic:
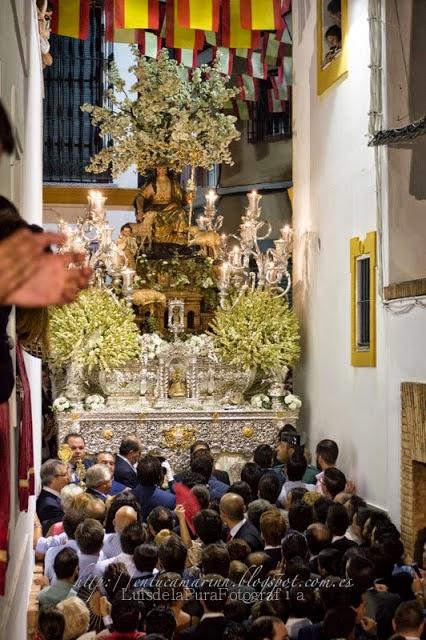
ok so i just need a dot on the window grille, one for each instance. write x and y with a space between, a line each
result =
363 303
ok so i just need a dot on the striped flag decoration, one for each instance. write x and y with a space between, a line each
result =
256 66
250 89
261 14
136 14
71 18
187 57
233 35
280 90
275 105
285 34
199 14
240 109
176 36
285 71
241 53
149 44
273 50
226 59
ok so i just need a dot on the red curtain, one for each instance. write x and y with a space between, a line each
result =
26 458
4 491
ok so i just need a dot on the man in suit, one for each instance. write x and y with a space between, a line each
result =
107 458
99 481
273 529
125 461
54 476
232 514
213 595
147 492
200 445
77 445
202 463
337 523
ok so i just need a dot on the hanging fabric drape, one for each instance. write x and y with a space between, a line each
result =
26 457
261 14
71 18
194 14
4 492
136 14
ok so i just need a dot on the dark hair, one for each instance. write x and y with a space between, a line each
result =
251 473
235 630
255 510
338 623
300 516
264 455
160 518
418 547
296 569
73 435
215 558
320 509
408 616
296 465
65 563
330 561
361 571
294 544
273 526
126 226
296 494
208 526
242 488
353 505
318 537
71 520
214 592
263 627
331 593
161 620
124 499
202 494
191 479
131 537
51 622
238 549
7 142
202 463
334 481
125 613
334 30
301 607
89 536
383 564
337 519
115 578
199 443
127 445
269 487
334 6
172 554
145 557
149 471
328 450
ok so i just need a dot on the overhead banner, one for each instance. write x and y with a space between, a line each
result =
71 18
261 14
196 14
234 36
136 14
178 37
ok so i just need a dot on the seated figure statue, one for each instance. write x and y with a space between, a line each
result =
160 212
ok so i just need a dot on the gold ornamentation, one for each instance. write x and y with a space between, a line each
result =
75 417
80 470
215 416
65 453
107 434
177 387
247 432
280 414
179 437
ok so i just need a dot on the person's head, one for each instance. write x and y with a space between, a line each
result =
353 505
202 494
77 445
202 463
7 142
330 562
131 537
238 571
77 617
269 487
361 571
126 230
337 519
231 509
198 445
130 448
115 578
269 627
339 623
238 549
215 558
161 620
264 456
297 569
300 516
95 509
125 613
71 520
302 602
99 477
408 619
327 452
125 499
272 527
68 493
125 515
318 537
145 557
107 458
320 509
383 563
294 544
55 475
213 593
288 439
65 565
420 548
208 526
295 495
172 554
89 536
191 479
149 471
51 622
334 482
261 563
296 465
251 473
374 518
255 510
243 490
333 35
159 518
334 7
359 520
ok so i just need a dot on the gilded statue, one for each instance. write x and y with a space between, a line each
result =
128 244
159 210
177 387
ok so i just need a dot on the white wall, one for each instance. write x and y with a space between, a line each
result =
334 200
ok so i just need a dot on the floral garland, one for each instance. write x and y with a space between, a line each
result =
97 330
260 330
166 119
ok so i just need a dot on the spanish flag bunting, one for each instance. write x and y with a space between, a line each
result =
211 38
233 34
249 88
286 6
178 37
273 50
71 18
274 105
241 53
241 109
285 71
256 65
284 34
226 59
136 14
199 14
187 57
280 90
261 14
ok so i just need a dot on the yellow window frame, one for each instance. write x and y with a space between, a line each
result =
337 69
358 248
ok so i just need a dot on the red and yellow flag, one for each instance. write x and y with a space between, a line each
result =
136 14
203 15
233 34
71 18
261 14
178 37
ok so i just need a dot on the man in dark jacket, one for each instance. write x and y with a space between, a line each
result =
54 476
232 514
213 595
148 493
125 461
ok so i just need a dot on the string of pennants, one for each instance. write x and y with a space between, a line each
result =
258 32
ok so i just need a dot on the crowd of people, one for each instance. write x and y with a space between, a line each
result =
288 550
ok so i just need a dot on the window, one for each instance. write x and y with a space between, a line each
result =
76 76
363 301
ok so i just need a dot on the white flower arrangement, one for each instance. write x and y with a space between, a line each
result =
201 345
61 404
292 402
94 402
151 345
261 401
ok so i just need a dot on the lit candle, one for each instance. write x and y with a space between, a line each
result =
211 198
96 201
225 269
107 236
128 275
235 257
287 236
254 199
116 257
280 246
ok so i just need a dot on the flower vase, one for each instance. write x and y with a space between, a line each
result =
276 391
